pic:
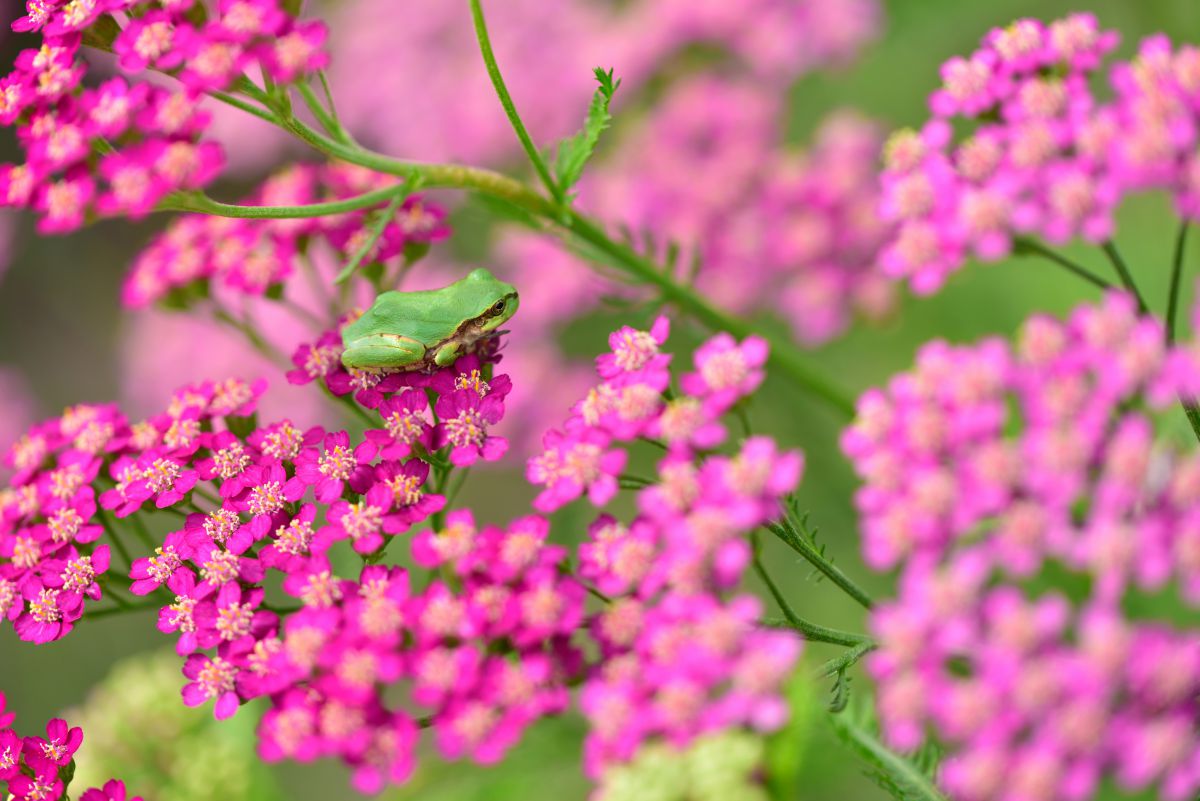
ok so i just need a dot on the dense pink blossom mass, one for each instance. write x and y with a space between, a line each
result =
34 767
1043 153
989 466
492 644
151 137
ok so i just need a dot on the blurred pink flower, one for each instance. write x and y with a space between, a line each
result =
17 409
161 350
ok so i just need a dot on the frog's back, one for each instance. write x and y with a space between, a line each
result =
433 314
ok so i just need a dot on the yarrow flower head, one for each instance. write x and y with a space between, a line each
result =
990 473
40 768
1042 155
148 136
681 660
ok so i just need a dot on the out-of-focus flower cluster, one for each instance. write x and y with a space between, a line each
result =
117 148
1020 144
253 257
137 728
548 54
707 181
1025 497
680 658
40 768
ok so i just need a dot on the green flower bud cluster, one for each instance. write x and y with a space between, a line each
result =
136 727
718 767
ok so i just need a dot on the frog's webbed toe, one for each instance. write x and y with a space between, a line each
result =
383 351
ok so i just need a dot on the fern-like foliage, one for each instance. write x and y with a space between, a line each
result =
904 777
575 151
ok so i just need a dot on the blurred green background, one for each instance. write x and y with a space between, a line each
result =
60 321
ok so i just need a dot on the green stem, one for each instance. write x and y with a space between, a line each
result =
803 546
918 786
119 610
348 402
139 528
810 631
1123 273
1176 280
252 336
327 120
849 658
460 478
208 496
387 215
510 108
202 204
111 530
1025 246
783 355
242 105
814 632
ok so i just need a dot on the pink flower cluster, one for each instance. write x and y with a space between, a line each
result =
492 639
116 148
71 473
1042 154
680 659
484 651
1026 499
34 768
253 257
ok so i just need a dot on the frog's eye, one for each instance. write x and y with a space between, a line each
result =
498 307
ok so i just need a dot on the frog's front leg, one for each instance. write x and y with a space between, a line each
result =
448 354
382 351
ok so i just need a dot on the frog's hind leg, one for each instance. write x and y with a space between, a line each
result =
383 351
448 354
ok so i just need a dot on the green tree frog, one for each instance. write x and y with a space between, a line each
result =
422 330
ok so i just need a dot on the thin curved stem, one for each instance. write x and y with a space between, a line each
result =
1123 273
202 204
111 531
510 108
1025 246
793 539
846 660
120 610
918 786
1176 280
810 631
242 105
782 354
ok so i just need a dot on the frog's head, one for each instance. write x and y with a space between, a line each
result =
493 301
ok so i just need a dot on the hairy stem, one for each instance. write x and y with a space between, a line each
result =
918 786
1176 280
202 204
1123 273
846 660
1026 246
803 546
510 108
810 631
